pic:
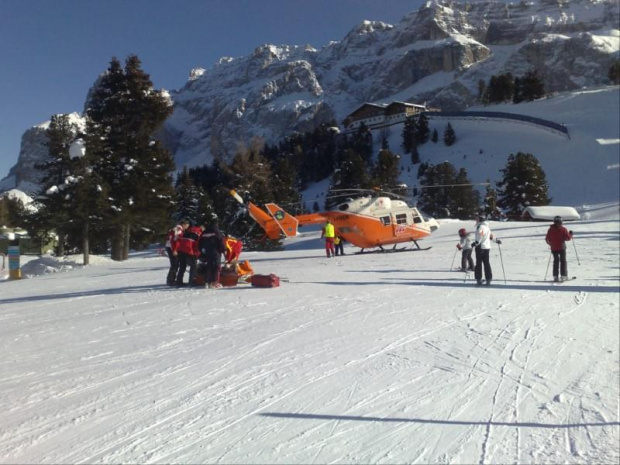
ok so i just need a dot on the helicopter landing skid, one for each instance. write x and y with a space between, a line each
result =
394 249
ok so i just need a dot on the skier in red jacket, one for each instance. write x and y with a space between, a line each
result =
557 235
187 249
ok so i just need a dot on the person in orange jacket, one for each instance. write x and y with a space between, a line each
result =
186 247
556 237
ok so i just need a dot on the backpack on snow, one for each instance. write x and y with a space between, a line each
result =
265 280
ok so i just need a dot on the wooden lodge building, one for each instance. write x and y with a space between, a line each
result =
376 115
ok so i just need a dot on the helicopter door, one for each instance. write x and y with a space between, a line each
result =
399 224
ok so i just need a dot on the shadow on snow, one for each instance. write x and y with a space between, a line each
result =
308 416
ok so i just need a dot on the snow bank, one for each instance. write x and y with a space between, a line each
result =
46 264
549 212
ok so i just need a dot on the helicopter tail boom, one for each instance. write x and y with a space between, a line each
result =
275 222
266 221
286 222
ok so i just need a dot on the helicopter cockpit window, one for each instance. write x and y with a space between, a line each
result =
401 219
385 220
343 207
417 219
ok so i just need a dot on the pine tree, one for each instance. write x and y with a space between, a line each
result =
524 184
12 212
415 155
435 136
386 170
465 200
409 134
123 113
361 142
438 190
55 206
529 87
284 186
422 130
482 86
490 207
500 89
449 137
614 73
352 174
188 199
252 177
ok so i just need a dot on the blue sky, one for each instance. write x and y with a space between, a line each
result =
51 52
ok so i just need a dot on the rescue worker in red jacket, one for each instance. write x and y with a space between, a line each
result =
174 235
187 249
557 235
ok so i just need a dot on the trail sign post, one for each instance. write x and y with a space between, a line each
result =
15 271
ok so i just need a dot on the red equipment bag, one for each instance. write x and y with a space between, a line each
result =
265 280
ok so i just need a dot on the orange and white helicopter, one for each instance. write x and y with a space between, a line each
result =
366 222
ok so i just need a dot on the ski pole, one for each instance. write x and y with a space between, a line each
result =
502 260
548 262
575 246
453 258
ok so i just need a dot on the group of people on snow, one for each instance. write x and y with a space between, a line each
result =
556 238
200 250
187 246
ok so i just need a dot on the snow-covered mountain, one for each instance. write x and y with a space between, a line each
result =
436 55
24 174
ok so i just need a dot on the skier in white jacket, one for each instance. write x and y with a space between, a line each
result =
482 246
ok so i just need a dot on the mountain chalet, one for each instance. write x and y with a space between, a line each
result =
377 115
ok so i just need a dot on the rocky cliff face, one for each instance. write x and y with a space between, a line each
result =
33 151
436 55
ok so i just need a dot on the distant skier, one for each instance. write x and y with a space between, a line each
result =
329 233
171 238
557 235
464 245
482 246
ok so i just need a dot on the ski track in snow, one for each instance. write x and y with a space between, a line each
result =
364 359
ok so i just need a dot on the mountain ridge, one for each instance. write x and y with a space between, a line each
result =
435 55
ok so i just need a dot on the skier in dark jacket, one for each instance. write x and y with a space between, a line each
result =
211 247
557 235
187 249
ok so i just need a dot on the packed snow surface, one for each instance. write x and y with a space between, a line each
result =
381 358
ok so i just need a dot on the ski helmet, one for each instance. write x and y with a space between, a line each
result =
557 220
462 232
